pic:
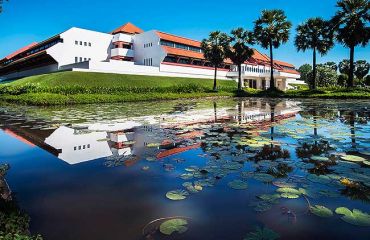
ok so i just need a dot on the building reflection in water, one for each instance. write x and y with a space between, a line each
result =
84 142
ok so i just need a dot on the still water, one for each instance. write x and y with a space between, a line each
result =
299 169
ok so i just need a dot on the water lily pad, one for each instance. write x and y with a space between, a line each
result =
288 190
263 177
318 158
355 217
238 185
177 195
262 234
173 225
353 158
289 195
321 211
282 184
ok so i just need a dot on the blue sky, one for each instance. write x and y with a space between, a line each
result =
25 21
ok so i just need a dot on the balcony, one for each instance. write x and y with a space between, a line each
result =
122 38
122 52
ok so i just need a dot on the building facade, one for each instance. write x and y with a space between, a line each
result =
130 50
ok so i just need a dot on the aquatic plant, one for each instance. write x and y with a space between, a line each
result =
321 211
262 233
355 217
173 225
177 195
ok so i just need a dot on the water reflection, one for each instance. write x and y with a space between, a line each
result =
283 156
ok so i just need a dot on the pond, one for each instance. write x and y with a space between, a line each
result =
192 169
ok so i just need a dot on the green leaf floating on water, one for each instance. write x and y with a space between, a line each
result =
353 158
177 195
173 225
355 217
263 177
289 195
238 185
288 190
318 158
262 234
321 211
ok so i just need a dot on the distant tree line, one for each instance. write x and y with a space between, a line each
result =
330 74
349 26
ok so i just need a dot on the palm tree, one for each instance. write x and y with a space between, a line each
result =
314 34
1 5
239 50
214 51
271 30
351 25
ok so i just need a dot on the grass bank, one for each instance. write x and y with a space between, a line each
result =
65 88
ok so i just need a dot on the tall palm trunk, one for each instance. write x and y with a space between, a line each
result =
215 80
314 72
351 67
239 77
272 80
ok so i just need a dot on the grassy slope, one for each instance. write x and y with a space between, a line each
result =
76 87
112 80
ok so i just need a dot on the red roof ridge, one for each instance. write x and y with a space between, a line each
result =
282 63
128 28
21 50
178 39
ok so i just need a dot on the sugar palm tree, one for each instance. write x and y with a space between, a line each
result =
351 25
214 51
314 34
1 5
271 30
239 50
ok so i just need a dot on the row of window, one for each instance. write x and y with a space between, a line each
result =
148 61
252 69
34 50
146 45
83 43
81 147
81 59
180 46
187 61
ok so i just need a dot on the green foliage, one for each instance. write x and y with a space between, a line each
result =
355 217
316 34
326 76
239 50
362 69
177 195
262 234
342 80
238 185
14 223
367 80
321 211
173 225
304 70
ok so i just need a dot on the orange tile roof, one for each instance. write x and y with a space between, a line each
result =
177 39
187 53
20 138
128 28
260 56
290 71
284 64
21 50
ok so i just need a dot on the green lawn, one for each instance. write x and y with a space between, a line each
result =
64 88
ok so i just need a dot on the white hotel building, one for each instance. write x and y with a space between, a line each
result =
130 50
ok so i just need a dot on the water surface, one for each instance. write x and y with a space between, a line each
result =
103 171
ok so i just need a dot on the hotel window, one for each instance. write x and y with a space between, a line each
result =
76 59
85 59
80 59
76 42
75 148
85 43
81 43
89 44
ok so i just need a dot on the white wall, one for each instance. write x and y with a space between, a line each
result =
155 52
65 53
